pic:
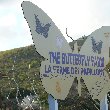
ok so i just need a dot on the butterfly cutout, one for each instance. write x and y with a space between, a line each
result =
40 29
96 46
54 45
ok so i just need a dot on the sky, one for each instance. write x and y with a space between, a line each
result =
80 17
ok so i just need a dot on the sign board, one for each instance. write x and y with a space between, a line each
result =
61 65
97 45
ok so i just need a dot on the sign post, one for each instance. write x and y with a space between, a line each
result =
53 105
104 104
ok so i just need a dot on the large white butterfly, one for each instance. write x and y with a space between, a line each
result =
61 65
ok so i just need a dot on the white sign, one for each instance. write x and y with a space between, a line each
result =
61 65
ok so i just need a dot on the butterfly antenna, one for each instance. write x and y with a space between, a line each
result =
68 35
71 39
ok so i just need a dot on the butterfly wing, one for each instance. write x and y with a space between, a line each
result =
47 39
98 83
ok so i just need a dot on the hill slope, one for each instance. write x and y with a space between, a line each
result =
19 70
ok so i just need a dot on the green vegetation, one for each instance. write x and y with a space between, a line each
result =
19 76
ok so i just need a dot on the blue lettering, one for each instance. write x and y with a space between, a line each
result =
82 59
55 57
92 60
63 58
101 62
76 59
64 70
85 71
56 69
48 69
88 59
72 70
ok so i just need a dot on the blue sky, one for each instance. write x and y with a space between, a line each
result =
81 17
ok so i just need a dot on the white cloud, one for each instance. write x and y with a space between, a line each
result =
8 20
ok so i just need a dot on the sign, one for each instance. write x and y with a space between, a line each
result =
61 65
98 44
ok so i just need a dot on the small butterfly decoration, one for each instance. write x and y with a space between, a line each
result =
96 46
43 30
59 69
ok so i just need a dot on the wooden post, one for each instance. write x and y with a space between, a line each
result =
104 104
53 105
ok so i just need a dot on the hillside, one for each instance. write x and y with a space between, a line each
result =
19 76
19 71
